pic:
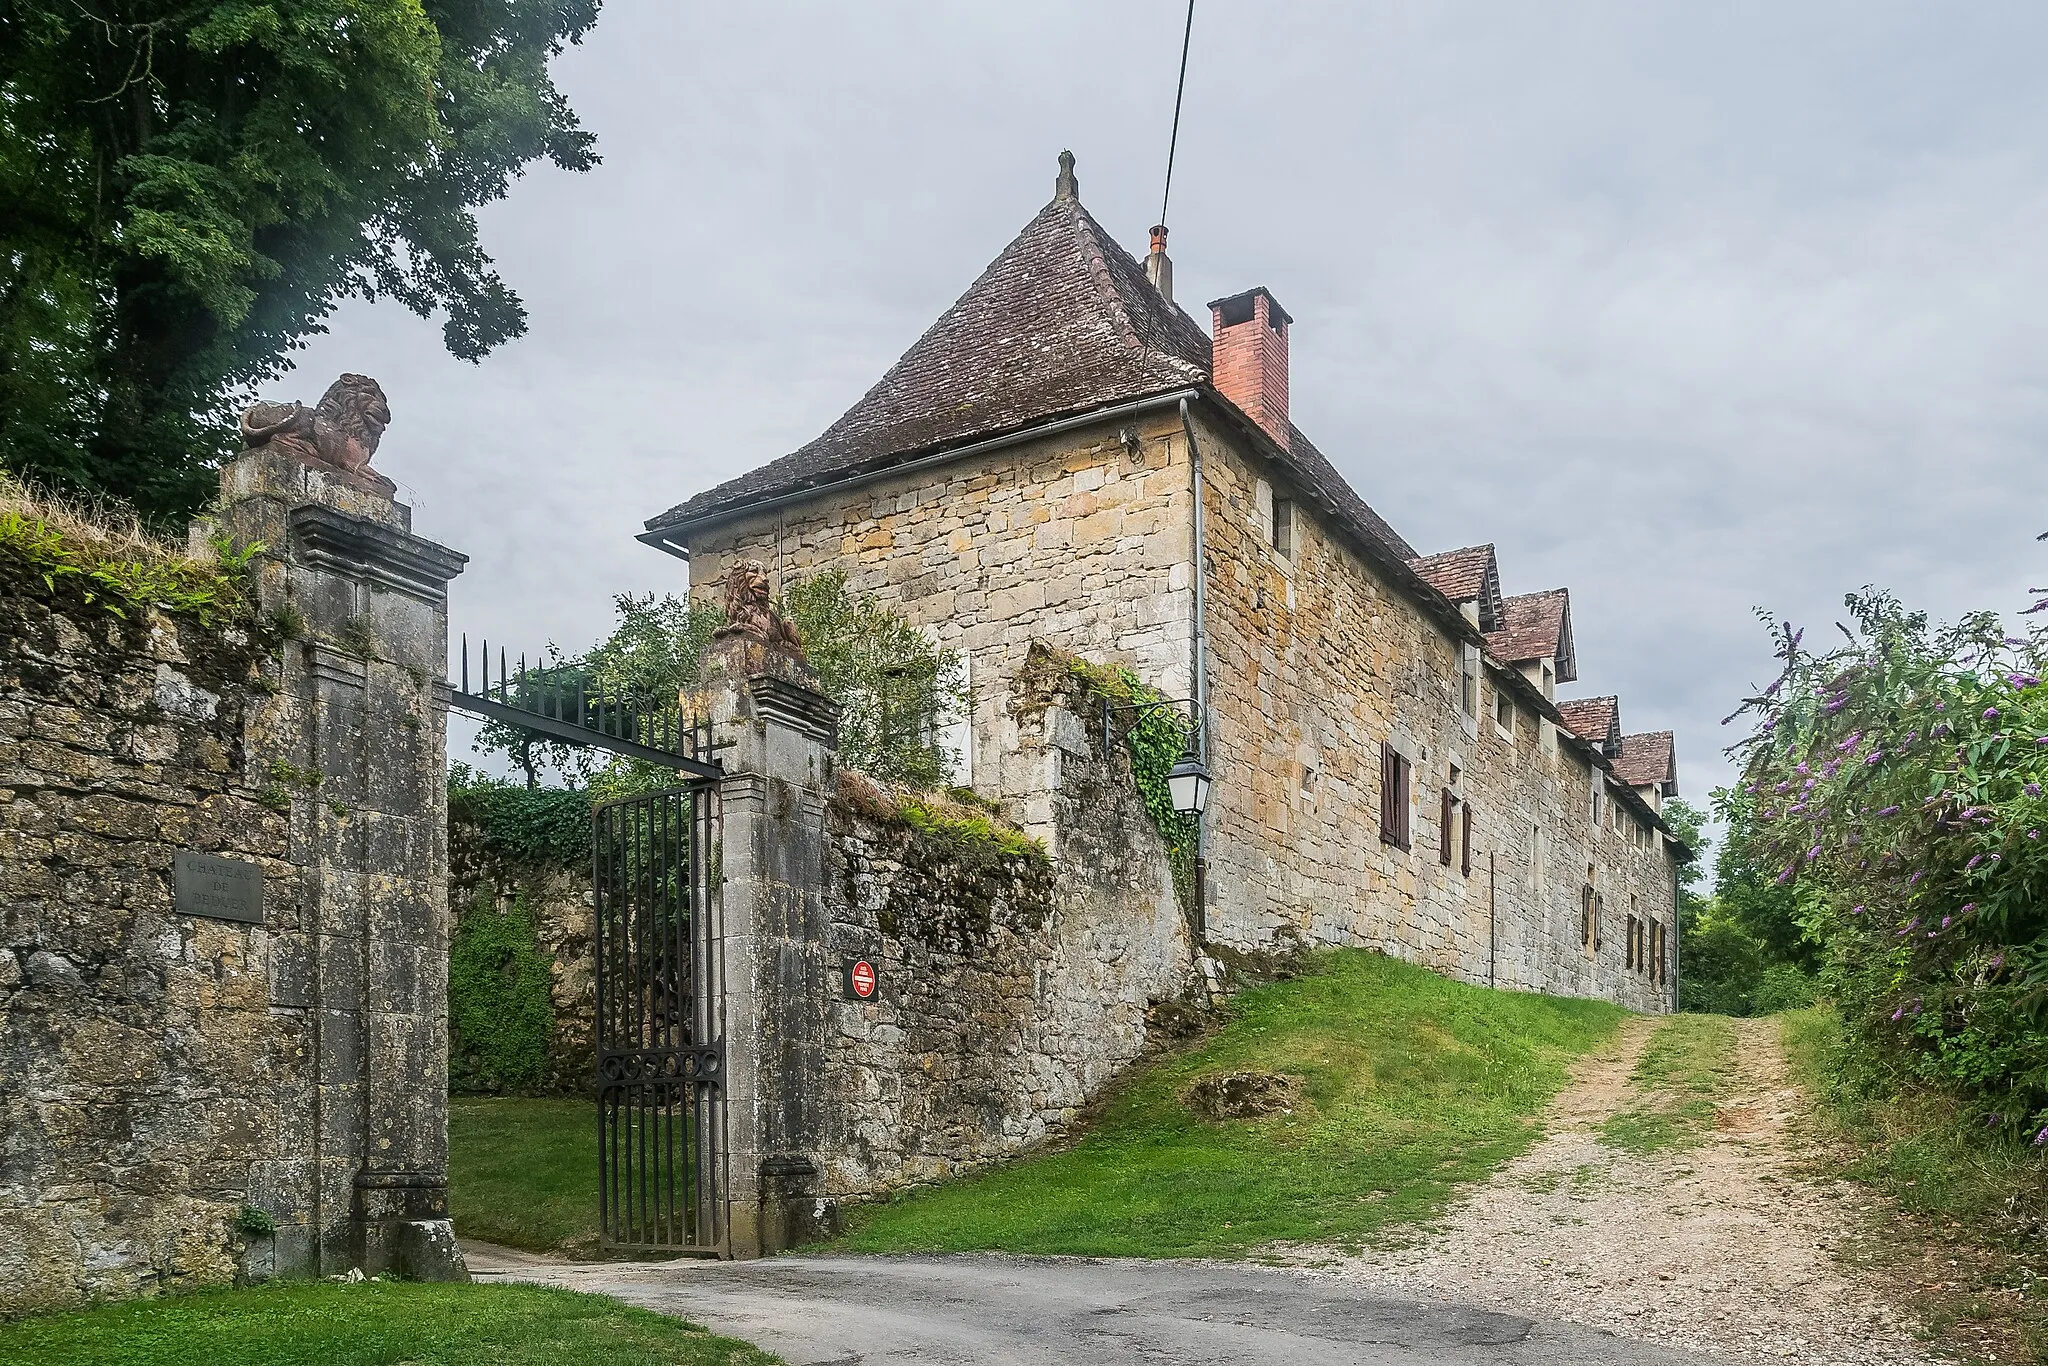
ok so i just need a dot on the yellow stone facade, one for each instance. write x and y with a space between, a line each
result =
1085 541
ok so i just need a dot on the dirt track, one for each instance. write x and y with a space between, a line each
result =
1722 1248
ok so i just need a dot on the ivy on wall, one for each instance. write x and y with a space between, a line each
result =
501 1019
541 825
1156 738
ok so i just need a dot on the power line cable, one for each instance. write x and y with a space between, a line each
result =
1178 90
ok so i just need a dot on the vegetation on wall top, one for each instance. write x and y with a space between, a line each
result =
548 826
105 555
1157 738
896 689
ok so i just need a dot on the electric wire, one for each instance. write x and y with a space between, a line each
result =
1179 89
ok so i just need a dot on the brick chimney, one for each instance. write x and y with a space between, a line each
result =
1250 366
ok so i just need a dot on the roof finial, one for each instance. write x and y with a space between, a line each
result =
1066 187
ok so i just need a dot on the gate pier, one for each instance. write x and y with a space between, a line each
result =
778 736
357 743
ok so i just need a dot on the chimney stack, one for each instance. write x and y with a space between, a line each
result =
1250 360
1159 266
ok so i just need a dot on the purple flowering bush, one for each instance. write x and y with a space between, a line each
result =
1918 849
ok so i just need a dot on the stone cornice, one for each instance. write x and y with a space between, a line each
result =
363 549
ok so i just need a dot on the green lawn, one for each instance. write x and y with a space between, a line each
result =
374 1323
523 1172
1690 1061
1414 1083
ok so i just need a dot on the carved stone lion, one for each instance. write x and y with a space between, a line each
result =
750 613
343 431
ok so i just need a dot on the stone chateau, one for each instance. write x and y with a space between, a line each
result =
1067 457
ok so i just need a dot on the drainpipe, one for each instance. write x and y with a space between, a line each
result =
1199 675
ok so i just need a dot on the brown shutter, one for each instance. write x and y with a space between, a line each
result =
1450 803
1386 793
1468 839
1403 777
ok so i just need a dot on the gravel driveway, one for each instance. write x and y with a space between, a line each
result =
1727 1247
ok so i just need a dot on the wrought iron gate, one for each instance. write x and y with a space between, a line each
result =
660 1047
660 976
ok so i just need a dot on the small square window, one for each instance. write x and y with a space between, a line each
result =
1504 714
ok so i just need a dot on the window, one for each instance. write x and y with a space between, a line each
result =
1630 952
1283 526
1394 792
1504 714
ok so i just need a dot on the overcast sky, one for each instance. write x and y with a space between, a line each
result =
1689 308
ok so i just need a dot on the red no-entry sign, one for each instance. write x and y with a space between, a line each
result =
863 982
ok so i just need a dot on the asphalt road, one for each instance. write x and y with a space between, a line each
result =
1024 1311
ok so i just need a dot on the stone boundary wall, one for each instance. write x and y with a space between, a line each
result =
141 1070
1014 989
161 1073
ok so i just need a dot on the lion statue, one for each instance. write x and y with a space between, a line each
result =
750 612
342 431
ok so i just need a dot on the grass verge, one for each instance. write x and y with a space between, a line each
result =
375 1323
1961 1245
1411 1084
523 1172
1690 1060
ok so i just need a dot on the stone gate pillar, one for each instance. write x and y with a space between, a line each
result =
779 734
357 748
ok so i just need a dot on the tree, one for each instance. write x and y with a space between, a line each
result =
193 187
896 690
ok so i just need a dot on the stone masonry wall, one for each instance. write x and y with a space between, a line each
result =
1075 542
1013 989
142 1073
158 1071
1316 661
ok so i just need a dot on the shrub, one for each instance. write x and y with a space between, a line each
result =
1901 780
501 1017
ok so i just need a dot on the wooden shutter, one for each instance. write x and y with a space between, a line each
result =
1450 804
1403 799
1467 818
1387 780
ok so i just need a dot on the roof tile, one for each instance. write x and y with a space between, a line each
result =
1647 760
1596 720
1537 626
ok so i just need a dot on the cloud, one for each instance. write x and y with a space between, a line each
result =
1692 309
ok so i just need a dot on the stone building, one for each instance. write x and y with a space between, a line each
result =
1392 766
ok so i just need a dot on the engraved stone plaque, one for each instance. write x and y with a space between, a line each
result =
218 888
